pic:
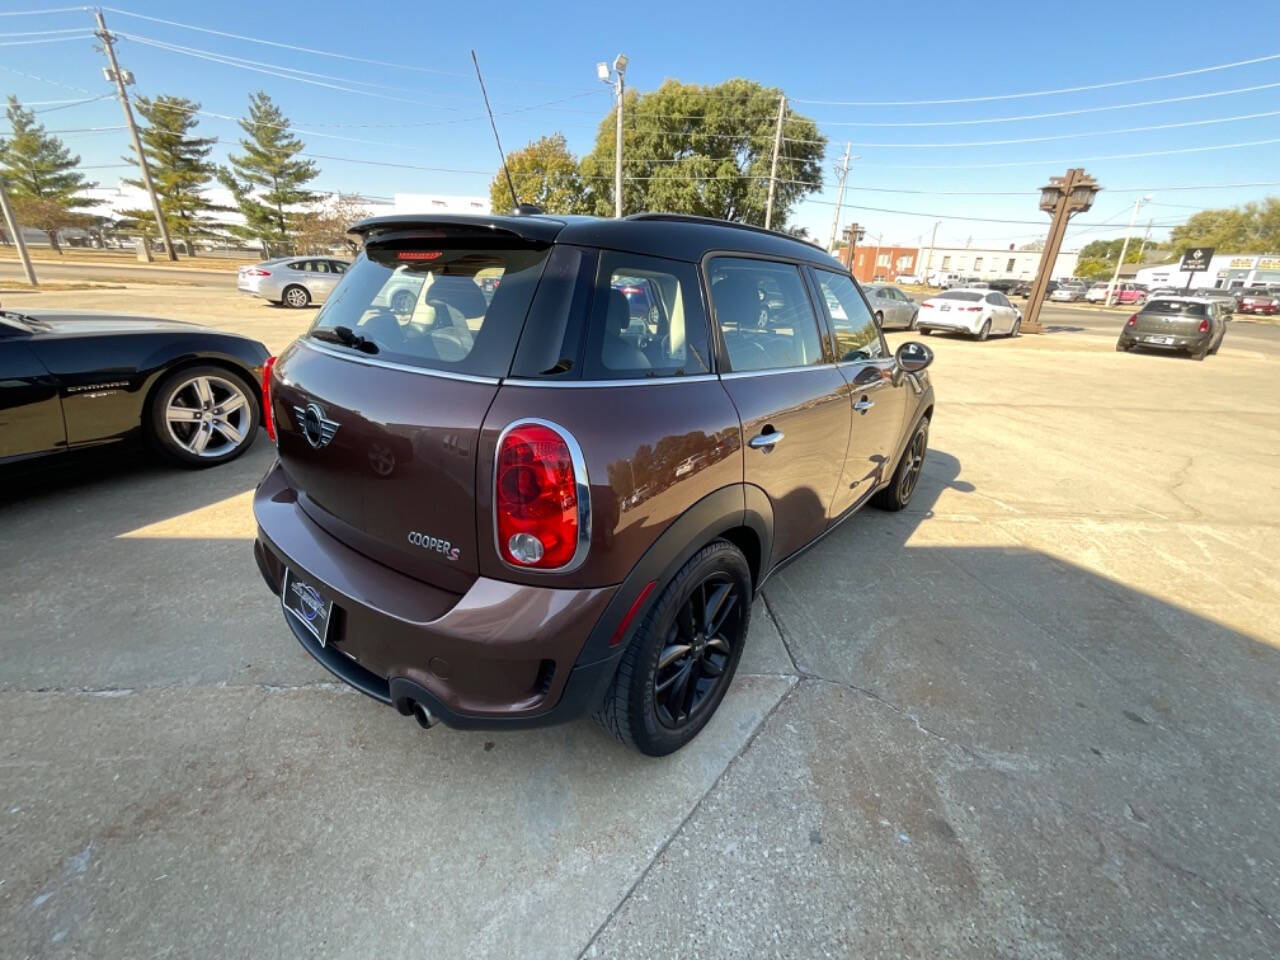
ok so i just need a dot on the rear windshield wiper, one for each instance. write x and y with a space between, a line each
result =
23 318
347 337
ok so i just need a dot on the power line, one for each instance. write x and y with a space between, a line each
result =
232 59
947 216
35 13
1055 113
85 35
42 33
65 104
284 46
1042 93
1111 156
1080 134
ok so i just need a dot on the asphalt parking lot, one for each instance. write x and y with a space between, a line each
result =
1037 714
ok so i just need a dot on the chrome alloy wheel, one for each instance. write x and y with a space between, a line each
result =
208 416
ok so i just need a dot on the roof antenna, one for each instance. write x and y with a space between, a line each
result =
515 201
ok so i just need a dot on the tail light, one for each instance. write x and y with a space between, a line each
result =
1132 321
927 306
268 421
1204 326
542 514
972 309
257 272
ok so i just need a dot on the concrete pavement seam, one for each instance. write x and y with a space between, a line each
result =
782 634
662 848
109 692
1246 900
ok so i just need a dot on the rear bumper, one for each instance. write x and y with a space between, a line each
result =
1152 340
500 655
935 320
1260 311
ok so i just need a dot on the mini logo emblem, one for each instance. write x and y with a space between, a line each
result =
314 426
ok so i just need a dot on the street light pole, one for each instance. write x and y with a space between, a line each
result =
1124 247
929 266
616 81
1061 196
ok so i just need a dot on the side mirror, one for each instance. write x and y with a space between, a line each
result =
912 357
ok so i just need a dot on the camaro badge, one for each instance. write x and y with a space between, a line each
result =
314 426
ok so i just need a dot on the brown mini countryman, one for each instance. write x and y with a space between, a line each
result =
535 466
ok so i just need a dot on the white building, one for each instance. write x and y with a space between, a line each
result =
1225 270
439 203
993 263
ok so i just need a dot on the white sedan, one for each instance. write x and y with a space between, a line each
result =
978 313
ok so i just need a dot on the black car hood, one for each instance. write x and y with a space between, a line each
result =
62 323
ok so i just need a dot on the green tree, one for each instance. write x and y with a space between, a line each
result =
269 181
1093 268
1109 250
1252 228
705 151
544 173
180 169
41 175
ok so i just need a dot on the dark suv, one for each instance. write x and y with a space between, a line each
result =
562 499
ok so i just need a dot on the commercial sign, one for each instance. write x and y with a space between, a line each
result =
1269 263
1241 263
1197 260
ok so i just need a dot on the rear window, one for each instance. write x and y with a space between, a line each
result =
1174 308
960 295
435 305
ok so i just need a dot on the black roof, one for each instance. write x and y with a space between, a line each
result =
674 236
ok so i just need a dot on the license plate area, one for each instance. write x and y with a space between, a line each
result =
304 603
1162 340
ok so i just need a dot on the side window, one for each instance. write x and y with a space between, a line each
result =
993 299
646 320
337 266
318 266
764 314
298 265
857 337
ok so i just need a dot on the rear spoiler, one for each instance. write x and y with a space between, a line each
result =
537 229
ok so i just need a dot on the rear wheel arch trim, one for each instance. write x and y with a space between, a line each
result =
724 511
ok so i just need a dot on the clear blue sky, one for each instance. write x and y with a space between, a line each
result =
534 53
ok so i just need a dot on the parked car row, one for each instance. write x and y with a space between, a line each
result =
977 312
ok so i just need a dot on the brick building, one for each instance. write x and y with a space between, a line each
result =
873 263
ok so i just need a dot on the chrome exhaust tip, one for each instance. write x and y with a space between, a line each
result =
426 719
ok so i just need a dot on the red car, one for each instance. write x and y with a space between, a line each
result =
1130 293
1259 303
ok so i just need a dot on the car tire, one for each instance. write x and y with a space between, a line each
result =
175 437
633 709
915 318
906 477
1201 353
985 331
1122 347
879 319
295 296
1016 330
925 331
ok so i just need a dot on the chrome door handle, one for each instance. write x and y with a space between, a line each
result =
864 405
765 440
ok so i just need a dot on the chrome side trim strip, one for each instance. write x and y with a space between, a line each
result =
580 482
739 374
579 384
405 367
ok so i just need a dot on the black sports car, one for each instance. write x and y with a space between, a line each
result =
70 380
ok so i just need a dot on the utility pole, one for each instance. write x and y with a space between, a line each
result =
835 220
15 231
875 260
1124 247
616 81
115 73
773 168
856 233
1062 197
932 238
1146 238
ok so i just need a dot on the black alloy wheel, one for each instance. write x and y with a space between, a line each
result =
697 650
906 477
683 654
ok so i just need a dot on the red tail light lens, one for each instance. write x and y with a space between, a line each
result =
1204 326
268 421
1132 321
972 309
258 272
539 480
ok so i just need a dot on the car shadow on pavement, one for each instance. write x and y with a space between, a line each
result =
982 746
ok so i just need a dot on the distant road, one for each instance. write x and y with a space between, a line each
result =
72 272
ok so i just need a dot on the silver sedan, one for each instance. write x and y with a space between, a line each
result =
292 281
892 307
